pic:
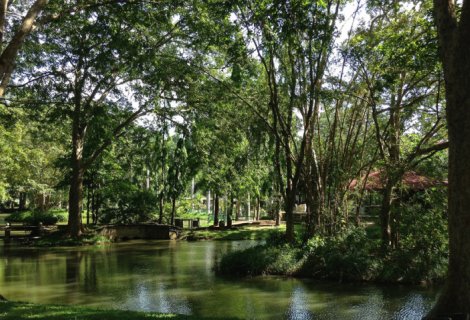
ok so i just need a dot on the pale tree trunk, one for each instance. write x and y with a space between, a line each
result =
454 40
3 16
237 210
209 202
249 207
147 180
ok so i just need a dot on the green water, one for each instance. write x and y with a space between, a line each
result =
178 277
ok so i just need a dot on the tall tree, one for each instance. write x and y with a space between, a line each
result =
453 25
404 93
292 40
101 70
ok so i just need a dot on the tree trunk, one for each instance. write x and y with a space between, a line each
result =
88 198
22 204
455 297
313 212
75 202
173 210
258 208
289 207
248 215
455 54
229 212
385 209
98 203
216 209
161 204
78 170
237 210
94 214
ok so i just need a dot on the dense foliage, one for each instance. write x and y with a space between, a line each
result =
137 111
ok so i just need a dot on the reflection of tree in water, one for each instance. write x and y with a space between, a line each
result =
72 267
173 268
72 275
81 272
90 277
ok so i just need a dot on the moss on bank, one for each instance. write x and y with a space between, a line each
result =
24 311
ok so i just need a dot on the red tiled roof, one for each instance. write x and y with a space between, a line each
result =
376 181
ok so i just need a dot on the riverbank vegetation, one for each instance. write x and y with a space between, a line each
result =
347 118
25 311
355 253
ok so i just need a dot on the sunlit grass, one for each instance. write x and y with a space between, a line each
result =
239 233
23 311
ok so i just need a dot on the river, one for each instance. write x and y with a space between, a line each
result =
178 277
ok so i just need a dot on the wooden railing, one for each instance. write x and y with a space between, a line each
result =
34 230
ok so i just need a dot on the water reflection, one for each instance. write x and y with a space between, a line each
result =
178 277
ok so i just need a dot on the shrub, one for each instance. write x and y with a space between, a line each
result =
276 238
36 216
346 256
260 260
423 249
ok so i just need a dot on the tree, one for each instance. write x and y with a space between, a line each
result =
453 25
403 92
28 156
101 70
178 176
292 42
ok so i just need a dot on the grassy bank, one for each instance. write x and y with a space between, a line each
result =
235 233
59 238
350 256
24 311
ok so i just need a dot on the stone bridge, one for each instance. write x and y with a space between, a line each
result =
140 231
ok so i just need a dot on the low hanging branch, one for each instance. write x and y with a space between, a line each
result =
437 147
10 53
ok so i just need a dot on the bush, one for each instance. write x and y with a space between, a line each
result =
423 249
345 257
36 216
276 238
260 260
352 255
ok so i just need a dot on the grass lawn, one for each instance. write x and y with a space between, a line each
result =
239 233
23 311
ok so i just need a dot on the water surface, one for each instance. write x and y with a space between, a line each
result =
178 277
